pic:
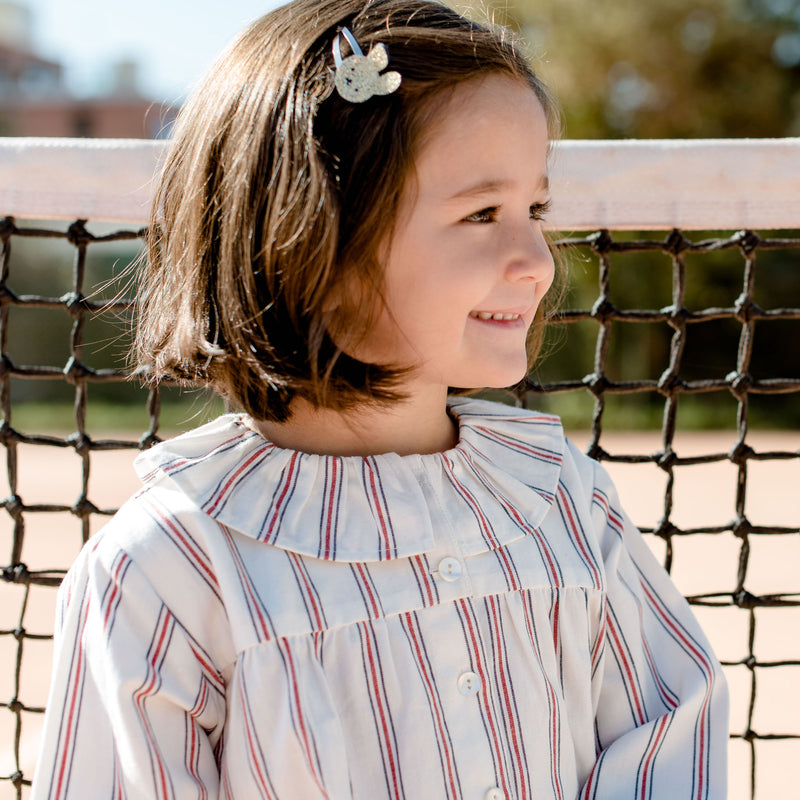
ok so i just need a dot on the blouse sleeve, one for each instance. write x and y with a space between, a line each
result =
661 722
135 705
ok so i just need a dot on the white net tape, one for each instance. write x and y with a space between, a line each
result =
719 184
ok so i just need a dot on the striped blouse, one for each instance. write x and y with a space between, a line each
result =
482 623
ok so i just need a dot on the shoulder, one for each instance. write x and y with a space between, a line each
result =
201 454
152 560
162 534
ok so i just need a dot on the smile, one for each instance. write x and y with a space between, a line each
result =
494 315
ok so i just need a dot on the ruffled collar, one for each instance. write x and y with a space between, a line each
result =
502 473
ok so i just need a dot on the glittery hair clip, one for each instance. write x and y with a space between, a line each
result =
358 77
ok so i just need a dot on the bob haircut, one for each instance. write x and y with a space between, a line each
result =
277 196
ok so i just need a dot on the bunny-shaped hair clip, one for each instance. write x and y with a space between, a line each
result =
358 77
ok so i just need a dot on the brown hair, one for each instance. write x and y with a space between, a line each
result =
277 192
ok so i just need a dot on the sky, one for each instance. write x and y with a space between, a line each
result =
174 41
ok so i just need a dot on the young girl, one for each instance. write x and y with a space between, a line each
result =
357 587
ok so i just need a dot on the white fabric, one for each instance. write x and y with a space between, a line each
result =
714 184
484 622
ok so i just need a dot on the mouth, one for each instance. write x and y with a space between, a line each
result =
502 320
498 316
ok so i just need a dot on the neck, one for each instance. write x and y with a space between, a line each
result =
419 424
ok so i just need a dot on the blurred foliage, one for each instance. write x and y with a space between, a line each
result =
664 68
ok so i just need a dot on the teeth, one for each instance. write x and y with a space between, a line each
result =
490 315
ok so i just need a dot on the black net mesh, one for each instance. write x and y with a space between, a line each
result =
665 333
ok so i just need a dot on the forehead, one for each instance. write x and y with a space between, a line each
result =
488 131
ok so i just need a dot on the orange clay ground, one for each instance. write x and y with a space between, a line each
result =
704 496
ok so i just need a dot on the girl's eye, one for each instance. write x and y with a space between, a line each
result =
483 216
539 210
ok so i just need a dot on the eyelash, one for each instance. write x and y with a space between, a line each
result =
538 211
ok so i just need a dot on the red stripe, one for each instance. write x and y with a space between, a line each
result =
299 717
666 695
650 755
705 664
286 481
577 531
171 466
308 590
375 685
551 695
614 519
164 626
509 568
410 623
235 475
628 669
330 494
75 680
598 644
256 754
486 528
364 580
419 568
483 693
193 740
116 589
524 525
556 624
253 601
384 525
511 717
209 670
118 791
520 446
656 605
196 556
591 782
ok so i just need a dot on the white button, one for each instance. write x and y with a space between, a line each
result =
494 794
450 569
469 684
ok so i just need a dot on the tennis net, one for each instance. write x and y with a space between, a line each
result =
674 360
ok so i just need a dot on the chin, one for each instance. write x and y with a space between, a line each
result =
494 378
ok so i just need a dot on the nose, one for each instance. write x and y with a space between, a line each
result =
529 258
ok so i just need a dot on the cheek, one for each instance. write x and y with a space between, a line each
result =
548 282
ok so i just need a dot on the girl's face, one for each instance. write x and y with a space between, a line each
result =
468 264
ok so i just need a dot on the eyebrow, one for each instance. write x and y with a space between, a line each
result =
488 186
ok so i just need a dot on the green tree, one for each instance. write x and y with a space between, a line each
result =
666 68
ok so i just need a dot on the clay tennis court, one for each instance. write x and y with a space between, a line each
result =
704 496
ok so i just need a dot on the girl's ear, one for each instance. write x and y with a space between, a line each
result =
333 300
341 294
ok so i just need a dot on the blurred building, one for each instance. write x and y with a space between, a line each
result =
35 101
